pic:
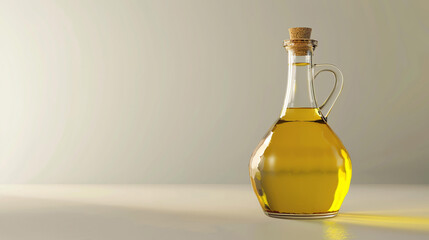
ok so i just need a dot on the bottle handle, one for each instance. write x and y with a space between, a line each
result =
338 85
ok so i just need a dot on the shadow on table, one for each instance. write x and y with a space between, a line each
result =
337 228
193 224
387 221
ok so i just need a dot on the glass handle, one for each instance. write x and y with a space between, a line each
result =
338 85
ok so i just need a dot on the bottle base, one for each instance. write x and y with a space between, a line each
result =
301 216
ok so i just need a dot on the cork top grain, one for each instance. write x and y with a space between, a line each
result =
300 33
300 42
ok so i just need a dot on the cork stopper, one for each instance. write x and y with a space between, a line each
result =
300 33
300 41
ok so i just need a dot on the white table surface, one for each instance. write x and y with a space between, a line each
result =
105 212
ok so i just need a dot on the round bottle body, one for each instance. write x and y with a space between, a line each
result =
301 169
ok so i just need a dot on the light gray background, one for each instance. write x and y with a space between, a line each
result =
182 91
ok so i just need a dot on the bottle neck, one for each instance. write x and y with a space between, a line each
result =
299 90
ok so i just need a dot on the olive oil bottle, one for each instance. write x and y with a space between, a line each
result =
301 169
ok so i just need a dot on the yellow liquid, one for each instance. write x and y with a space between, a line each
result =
301 166
301 64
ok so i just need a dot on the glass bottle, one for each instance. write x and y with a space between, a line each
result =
300 169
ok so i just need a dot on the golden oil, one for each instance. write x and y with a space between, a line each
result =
300 167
